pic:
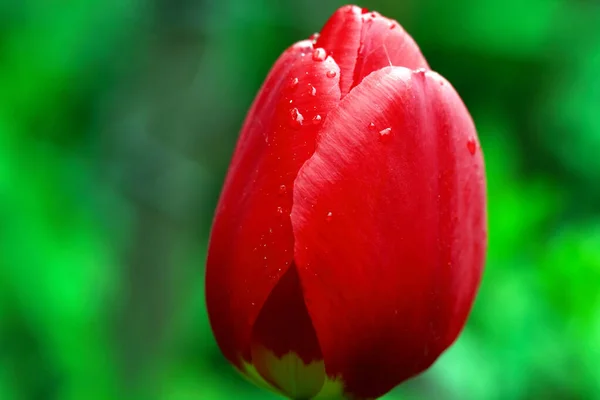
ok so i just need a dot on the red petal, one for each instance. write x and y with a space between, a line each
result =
385 43
341 38
362 42
251 243
390 228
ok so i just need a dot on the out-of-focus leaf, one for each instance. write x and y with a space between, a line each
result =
568 119
512 28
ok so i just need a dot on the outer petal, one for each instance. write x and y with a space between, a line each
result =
251 243
362 42
390 228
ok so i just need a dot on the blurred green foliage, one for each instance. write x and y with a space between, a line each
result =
117 121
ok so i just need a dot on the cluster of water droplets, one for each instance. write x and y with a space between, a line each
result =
296 119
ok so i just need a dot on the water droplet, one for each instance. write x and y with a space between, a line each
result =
319 54
331 73
472 146
392 25
372 126
293 83
282 189
313 38
420 72
385 134
329 216
317 119
312 90
280 210
296 119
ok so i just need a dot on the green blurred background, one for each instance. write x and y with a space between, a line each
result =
117 122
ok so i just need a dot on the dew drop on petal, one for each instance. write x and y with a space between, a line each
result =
392 25
385 134
312 90
331 73
313 38
329 216
293 83
372 126
280 210
472 146
316 119
296 119
282 189
319 54
420 72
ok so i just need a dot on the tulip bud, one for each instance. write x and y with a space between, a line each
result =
349 240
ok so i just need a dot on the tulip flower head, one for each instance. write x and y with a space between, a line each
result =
349 240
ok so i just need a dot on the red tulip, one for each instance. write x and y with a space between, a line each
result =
349 240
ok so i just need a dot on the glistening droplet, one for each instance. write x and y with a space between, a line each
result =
317 119
420 72
372 126
331 73
385 134
472 146
313 38
293 83
296 119
282 189
319 54
329 216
